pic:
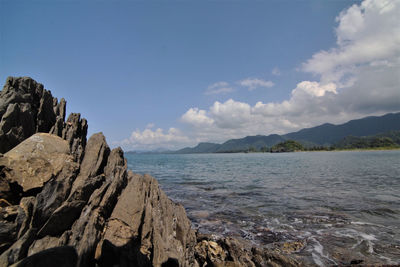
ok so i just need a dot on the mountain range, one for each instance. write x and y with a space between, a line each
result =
323 135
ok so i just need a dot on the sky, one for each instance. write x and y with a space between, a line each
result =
158 74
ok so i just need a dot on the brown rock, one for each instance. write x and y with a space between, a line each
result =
63 256
146 229
35 161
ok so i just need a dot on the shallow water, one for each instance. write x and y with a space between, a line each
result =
339 206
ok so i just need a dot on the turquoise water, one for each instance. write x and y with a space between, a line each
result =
342 206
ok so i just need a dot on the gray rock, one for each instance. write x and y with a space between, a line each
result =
74 131
25 108
146 229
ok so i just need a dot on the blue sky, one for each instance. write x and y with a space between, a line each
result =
152 74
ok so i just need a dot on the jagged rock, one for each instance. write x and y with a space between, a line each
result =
87 230
54 193
74 132
34 161
16 125
14 222
115 160
19 249
146 229
45 116
25 108
212 251
64 216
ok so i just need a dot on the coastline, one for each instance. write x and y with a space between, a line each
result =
69 201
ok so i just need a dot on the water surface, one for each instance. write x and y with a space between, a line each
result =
340 206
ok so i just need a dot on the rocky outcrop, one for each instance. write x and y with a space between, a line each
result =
27 108
68 203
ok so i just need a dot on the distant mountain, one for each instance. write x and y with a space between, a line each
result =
242 144
323 135
328 134
200 148
388 139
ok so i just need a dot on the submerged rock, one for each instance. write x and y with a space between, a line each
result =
66 202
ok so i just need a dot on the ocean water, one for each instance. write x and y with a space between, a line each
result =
328 207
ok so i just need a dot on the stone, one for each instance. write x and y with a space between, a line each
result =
63 256
146 229
25 108
16 125
54 193
74 131
34 161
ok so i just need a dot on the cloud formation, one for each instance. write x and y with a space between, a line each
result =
253 83
149 139
357 77
218 88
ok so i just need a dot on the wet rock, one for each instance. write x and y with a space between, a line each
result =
209 253
214 251
290 246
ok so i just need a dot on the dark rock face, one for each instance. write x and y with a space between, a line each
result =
90 210
27 108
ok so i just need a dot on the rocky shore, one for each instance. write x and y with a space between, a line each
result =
68 201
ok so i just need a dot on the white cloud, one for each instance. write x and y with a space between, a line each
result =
253 83
366 33
196 117
314 88
275 71
218 88
149 139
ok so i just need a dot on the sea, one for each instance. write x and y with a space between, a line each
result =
325 208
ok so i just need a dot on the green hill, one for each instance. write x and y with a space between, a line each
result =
287 146
322 135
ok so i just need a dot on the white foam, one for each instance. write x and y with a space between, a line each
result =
318 248
317 259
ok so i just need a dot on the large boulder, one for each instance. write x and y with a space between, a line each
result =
33 162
